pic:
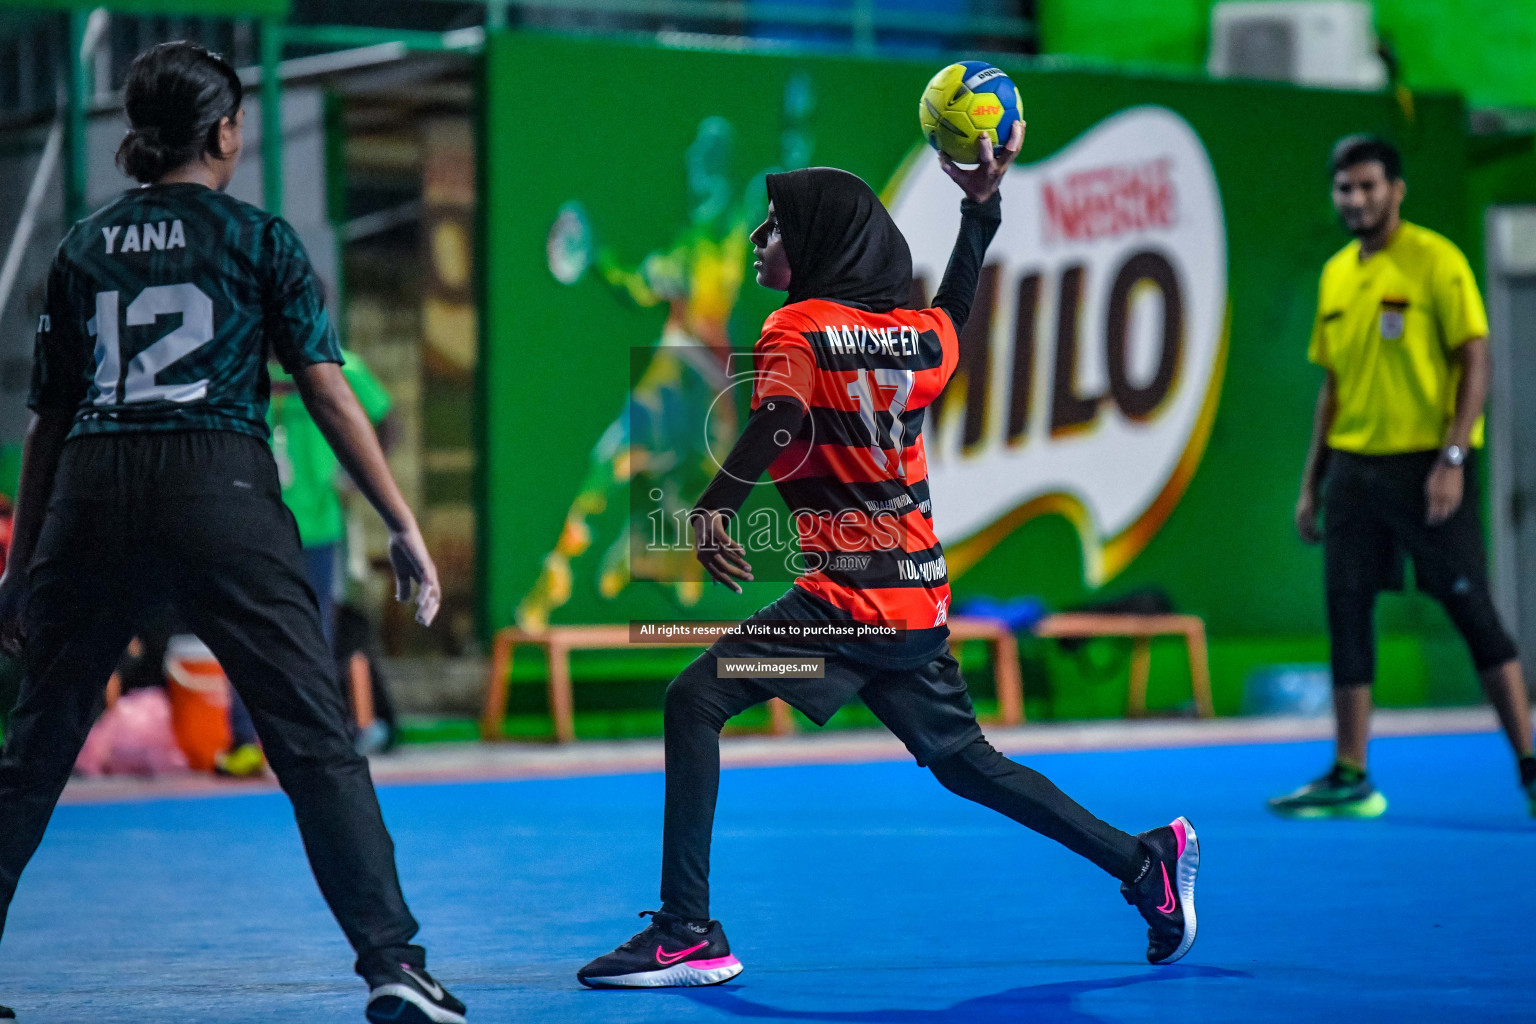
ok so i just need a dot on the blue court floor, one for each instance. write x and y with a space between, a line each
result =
862 894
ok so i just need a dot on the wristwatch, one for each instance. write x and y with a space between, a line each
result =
1454 455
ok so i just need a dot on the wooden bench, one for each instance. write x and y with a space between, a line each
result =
559 641
1141 629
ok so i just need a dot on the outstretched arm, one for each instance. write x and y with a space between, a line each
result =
658 278
771 428
768 432
978 223
981 211
341 419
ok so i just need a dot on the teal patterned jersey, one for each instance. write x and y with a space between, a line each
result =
162 309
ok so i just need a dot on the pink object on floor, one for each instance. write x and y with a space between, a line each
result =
133 737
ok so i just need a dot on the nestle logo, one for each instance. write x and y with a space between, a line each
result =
1110 201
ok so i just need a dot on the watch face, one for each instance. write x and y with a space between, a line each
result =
1455 455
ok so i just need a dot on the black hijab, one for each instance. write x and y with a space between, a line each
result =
841 243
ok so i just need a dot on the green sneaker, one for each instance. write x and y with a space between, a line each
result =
244 762
1339 794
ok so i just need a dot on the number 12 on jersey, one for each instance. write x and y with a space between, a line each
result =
196 330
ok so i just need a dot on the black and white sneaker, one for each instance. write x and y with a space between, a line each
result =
406 994
1164 889
670 951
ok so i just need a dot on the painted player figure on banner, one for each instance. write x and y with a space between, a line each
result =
844 374
655 445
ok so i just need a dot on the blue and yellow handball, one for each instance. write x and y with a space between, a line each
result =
964 102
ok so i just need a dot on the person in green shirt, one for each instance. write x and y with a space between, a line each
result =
310 474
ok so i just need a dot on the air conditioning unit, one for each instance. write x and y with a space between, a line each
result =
1328 43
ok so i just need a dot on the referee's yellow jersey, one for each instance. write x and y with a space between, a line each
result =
1387 327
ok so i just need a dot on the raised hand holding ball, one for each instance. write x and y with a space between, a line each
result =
966 103
981 181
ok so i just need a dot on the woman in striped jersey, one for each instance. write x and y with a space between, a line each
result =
843 375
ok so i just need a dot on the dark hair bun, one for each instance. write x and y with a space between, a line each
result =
176 96
145 156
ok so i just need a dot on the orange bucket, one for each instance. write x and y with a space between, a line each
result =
199 694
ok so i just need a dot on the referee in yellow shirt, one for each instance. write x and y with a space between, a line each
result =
1402 336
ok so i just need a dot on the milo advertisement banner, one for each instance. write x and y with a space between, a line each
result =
1132 404
1093 365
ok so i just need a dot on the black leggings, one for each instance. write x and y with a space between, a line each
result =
697 708
1352 632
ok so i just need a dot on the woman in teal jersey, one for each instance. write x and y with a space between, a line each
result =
147 478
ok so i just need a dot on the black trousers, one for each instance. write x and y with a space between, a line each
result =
196 519
1374 510
910 703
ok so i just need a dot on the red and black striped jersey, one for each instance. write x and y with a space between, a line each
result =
856 477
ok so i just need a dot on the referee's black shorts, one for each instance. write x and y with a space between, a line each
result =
1374 509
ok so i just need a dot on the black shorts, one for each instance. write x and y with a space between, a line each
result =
925 705
1373 518
1373 513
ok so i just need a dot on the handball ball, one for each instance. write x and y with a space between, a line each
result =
964 102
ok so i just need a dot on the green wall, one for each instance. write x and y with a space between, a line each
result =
1170 33
1481 48
556 357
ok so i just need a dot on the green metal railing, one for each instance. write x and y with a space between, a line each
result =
863 20
347 37
77 88
271 116
861 17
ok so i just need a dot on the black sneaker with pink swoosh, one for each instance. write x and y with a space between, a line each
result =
670 951
1164 889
